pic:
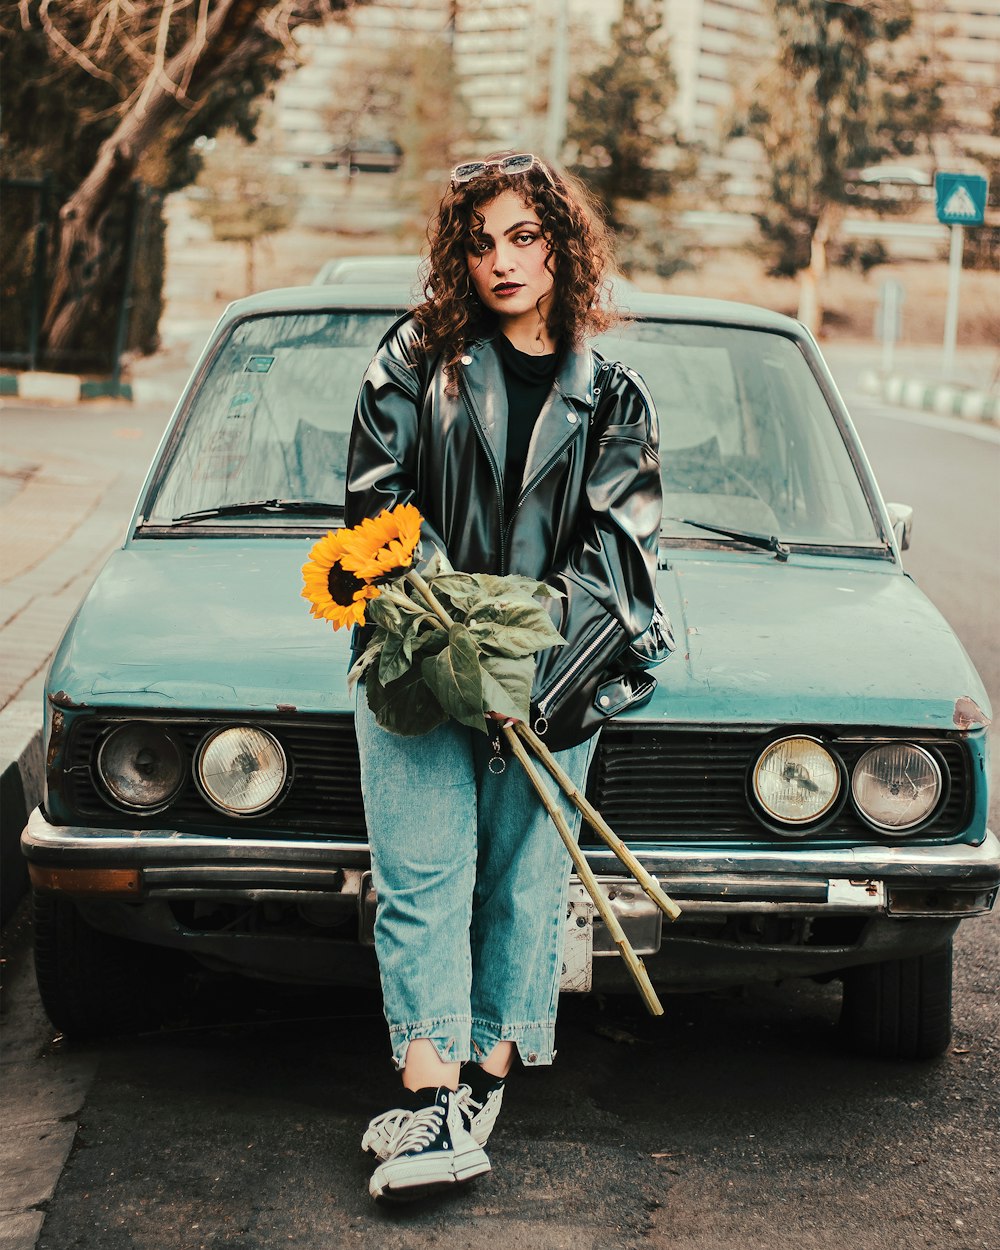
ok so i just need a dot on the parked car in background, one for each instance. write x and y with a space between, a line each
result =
393 270
808 780
404 271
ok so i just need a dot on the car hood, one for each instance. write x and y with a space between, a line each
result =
219 623
203 623
814 640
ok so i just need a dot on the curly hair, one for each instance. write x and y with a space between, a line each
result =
579 258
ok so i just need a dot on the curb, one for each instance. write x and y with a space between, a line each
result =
946 398
61 388
22 773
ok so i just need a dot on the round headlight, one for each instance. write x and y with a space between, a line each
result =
241 770
796 780
140 765
896 786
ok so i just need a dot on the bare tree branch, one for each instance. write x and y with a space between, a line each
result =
69 48
228 36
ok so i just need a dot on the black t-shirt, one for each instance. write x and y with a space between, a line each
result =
529 380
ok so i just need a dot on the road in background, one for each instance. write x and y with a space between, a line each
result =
949 473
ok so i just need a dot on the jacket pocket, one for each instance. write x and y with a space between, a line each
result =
630 689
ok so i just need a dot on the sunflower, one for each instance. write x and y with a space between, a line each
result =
334 593
382 545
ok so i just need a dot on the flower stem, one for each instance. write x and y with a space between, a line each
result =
583 870
431 599
597 822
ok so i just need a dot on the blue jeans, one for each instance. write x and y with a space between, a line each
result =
472 884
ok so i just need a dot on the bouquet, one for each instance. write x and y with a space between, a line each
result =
462 645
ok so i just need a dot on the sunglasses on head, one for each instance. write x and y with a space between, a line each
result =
519 163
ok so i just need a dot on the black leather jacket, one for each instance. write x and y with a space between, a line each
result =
586 520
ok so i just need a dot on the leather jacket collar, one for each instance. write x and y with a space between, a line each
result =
564 415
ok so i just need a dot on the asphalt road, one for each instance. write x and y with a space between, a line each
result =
733 1121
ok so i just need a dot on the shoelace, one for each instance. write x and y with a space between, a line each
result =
418 1131
389 1123
468 1106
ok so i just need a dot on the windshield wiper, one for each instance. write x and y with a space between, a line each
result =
314 507
764 541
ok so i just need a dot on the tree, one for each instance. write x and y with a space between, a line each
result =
618 109
836 95
618 124
982 243
408 93
242 198
100 92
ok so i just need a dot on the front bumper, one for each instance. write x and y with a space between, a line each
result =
304 910
953 880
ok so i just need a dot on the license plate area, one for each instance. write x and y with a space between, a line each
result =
587 937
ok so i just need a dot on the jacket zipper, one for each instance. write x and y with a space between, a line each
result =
497 480
545 704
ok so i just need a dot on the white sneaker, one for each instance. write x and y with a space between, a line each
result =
480 1116
427 1150
479 1119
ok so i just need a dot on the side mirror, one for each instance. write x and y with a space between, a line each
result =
901 517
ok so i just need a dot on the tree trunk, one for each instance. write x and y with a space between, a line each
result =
811 278
251 266
233 36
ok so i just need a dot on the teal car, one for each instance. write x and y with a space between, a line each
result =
808 779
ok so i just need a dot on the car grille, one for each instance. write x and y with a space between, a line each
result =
650 783
324 796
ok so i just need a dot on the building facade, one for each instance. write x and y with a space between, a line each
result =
503 51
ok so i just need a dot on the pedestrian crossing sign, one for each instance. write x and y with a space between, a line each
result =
960 199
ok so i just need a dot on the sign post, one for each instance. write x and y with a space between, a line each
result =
889 320
961 201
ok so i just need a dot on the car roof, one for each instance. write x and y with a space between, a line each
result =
358 269
384 297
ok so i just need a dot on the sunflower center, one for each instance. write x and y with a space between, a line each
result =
342 585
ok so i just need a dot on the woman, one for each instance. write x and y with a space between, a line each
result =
525 454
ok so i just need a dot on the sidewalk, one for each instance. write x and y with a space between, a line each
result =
972 391
69 477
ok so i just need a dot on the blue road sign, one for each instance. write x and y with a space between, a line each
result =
960 199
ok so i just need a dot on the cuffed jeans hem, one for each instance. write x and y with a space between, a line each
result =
534 1041
450 1036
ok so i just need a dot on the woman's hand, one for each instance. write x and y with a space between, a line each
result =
509 720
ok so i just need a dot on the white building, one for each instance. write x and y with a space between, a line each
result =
502 50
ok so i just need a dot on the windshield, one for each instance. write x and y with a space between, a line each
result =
747 440
273 417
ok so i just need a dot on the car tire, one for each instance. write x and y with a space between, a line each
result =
92 984
900 1008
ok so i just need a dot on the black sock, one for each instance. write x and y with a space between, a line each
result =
481 1082
417 1099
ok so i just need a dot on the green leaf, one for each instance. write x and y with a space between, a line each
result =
394 660
405 706
514 629
431 641
454 589
495 587
437 564
363 663
453 584
383 613
455 678
507 685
